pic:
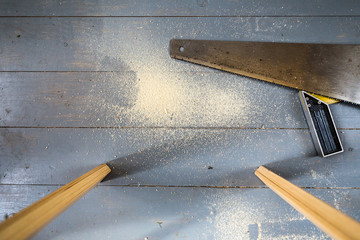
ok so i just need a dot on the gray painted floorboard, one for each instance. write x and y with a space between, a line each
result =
175 157
93 99
179 8
142 44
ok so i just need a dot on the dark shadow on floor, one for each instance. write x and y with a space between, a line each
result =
164 154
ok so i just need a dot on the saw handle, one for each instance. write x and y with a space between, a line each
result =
32 219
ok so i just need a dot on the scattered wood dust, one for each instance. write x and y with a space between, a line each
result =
243 216
170 99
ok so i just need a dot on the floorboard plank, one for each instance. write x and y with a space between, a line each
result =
177 8
142 44
94 99
175 157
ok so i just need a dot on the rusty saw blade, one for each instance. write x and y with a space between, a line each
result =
331 70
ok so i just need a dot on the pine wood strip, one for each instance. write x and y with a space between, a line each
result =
32 219
330 220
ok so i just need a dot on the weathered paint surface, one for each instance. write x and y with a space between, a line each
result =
86 83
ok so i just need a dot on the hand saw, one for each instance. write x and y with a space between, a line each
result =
331 70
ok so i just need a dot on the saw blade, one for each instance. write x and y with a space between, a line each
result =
331 70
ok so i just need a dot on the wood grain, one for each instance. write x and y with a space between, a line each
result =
217 8
32 219
99 44
327 218
175 156
98 99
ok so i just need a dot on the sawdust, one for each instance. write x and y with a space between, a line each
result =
172 99
236 216
157 92
233 220
314 174
149 89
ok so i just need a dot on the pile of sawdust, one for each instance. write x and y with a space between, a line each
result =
176 99
163 94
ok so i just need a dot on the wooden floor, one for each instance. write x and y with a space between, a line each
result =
87 83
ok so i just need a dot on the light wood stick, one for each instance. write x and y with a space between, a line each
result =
32 219
330 220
